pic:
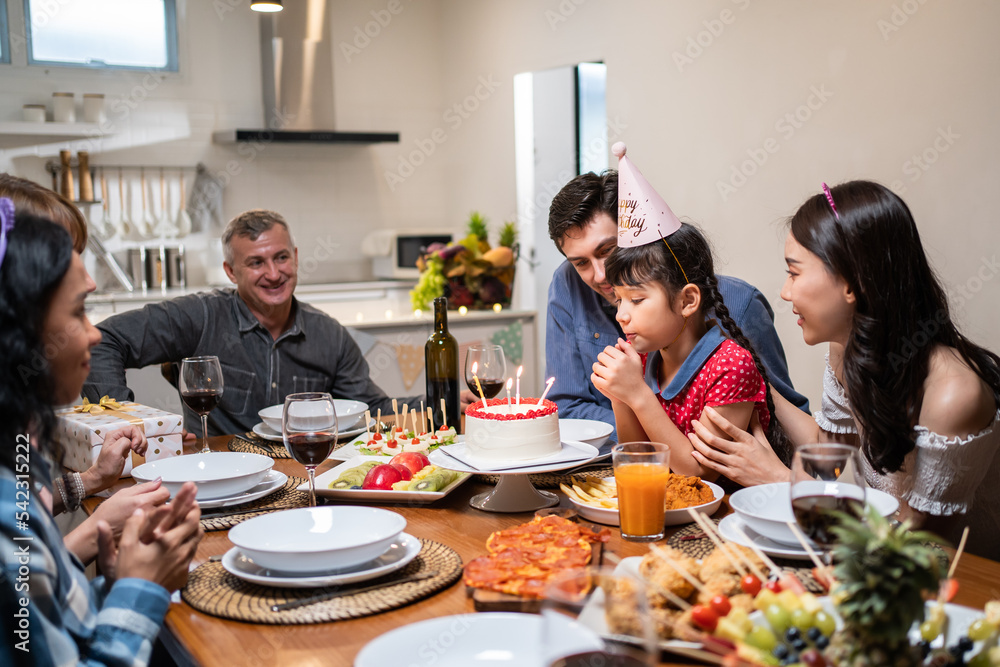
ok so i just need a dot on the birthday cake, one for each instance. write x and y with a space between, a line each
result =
504 431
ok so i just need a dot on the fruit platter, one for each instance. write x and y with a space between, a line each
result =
406 477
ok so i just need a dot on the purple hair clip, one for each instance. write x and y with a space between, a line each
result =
829 198
6 224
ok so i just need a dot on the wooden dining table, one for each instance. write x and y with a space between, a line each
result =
195 638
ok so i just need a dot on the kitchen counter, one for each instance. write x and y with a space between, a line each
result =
351 291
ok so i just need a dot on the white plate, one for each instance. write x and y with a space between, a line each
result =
729 524
265 431
362 495
592 615
352 449
217 474
273 481
457 457
609 517
486 638
396 557
590 431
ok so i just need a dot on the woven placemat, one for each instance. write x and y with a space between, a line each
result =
212 590
284 498
552 480
258 445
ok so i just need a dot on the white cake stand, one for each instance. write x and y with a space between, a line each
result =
515 492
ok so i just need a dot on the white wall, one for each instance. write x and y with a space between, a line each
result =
687 127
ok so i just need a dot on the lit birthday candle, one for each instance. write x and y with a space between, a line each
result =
548 385
475 367
520 369
510 381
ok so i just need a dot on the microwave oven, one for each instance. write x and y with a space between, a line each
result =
394 253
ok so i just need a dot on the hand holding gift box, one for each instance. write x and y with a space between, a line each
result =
85 429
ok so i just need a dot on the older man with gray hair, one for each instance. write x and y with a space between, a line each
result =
268 343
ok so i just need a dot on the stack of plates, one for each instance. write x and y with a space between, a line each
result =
319 546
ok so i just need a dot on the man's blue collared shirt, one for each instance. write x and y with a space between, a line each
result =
581 323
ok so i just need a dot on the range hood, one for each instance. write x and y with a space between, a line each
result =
297 77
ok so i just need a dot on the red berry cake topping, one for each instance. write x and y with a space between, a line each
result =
501 414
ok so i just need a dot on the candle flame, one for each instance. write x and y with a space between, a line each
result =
510 381
475 367
520 369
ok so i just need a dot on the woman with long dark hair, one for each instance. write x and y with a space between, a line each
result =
919 397
46 338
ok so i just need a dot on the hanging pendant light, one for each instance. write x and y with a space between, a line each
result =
265 5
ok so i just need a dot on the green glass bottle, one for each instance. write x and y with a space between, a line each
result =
441 367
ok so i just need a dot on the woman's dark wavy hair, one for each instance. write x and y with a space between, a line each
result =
901 312
38 256
654 262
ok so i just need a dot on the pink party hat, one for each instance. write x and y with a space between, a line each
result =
643 215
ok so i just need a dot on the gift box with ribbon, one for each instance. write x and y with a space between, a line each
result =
82 428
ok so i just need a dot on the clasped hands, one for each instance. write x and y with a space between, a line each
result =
617 373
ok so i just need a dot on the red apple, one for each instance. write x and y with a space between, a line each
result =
403 470
381 477
415 461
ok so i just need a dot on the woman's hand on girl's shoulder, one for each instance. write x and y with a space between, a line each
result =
957 403
745 458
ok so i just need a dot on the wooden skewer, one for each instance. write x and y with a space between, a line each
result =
395 412
805 545
430 416
709 526
958 553
444 415
378 421
702 521
774 569
413 419
423 415
368 425
660 553
406 410
675 599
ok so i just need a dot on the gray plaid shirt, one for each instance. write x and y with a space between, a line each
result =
316 354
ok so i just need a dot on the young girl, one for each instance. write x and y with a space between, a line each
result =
66 620
920 398
676 361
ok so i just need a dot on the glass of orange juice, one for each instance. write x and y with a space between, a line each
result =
641 473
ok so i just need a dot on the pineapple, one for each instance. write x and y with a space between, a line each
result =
477 225
508 234
882 573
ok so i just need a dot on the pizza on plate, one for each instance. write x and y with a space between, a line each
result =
523 559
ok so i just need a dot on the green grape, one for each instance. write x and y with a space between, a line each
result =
802 619
761 637
929 630
778 617
980 630
429 286
981 659
826 623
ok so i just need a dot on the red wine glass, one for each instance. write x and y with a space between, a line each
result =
200 384
826 478
491 369
309 429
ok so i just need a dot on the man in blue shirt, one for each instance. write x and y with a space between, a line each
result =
581 311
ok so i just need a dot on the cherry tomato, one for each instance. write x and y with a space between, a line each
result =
704 617
720 605
750 584
773 586
949 587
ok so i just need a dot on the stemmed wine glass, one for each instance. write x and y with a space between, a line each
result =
200 384
309 429
825 478
581 606
491 369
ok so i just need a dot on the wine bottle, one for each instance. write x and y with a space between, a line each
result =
441 367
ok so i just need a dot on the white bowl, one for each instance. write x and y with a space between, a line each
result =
217 474
349 414
767 508
315 539
609 517
590 431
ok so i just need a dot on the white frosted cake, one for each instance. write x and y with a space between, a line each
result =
512 432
